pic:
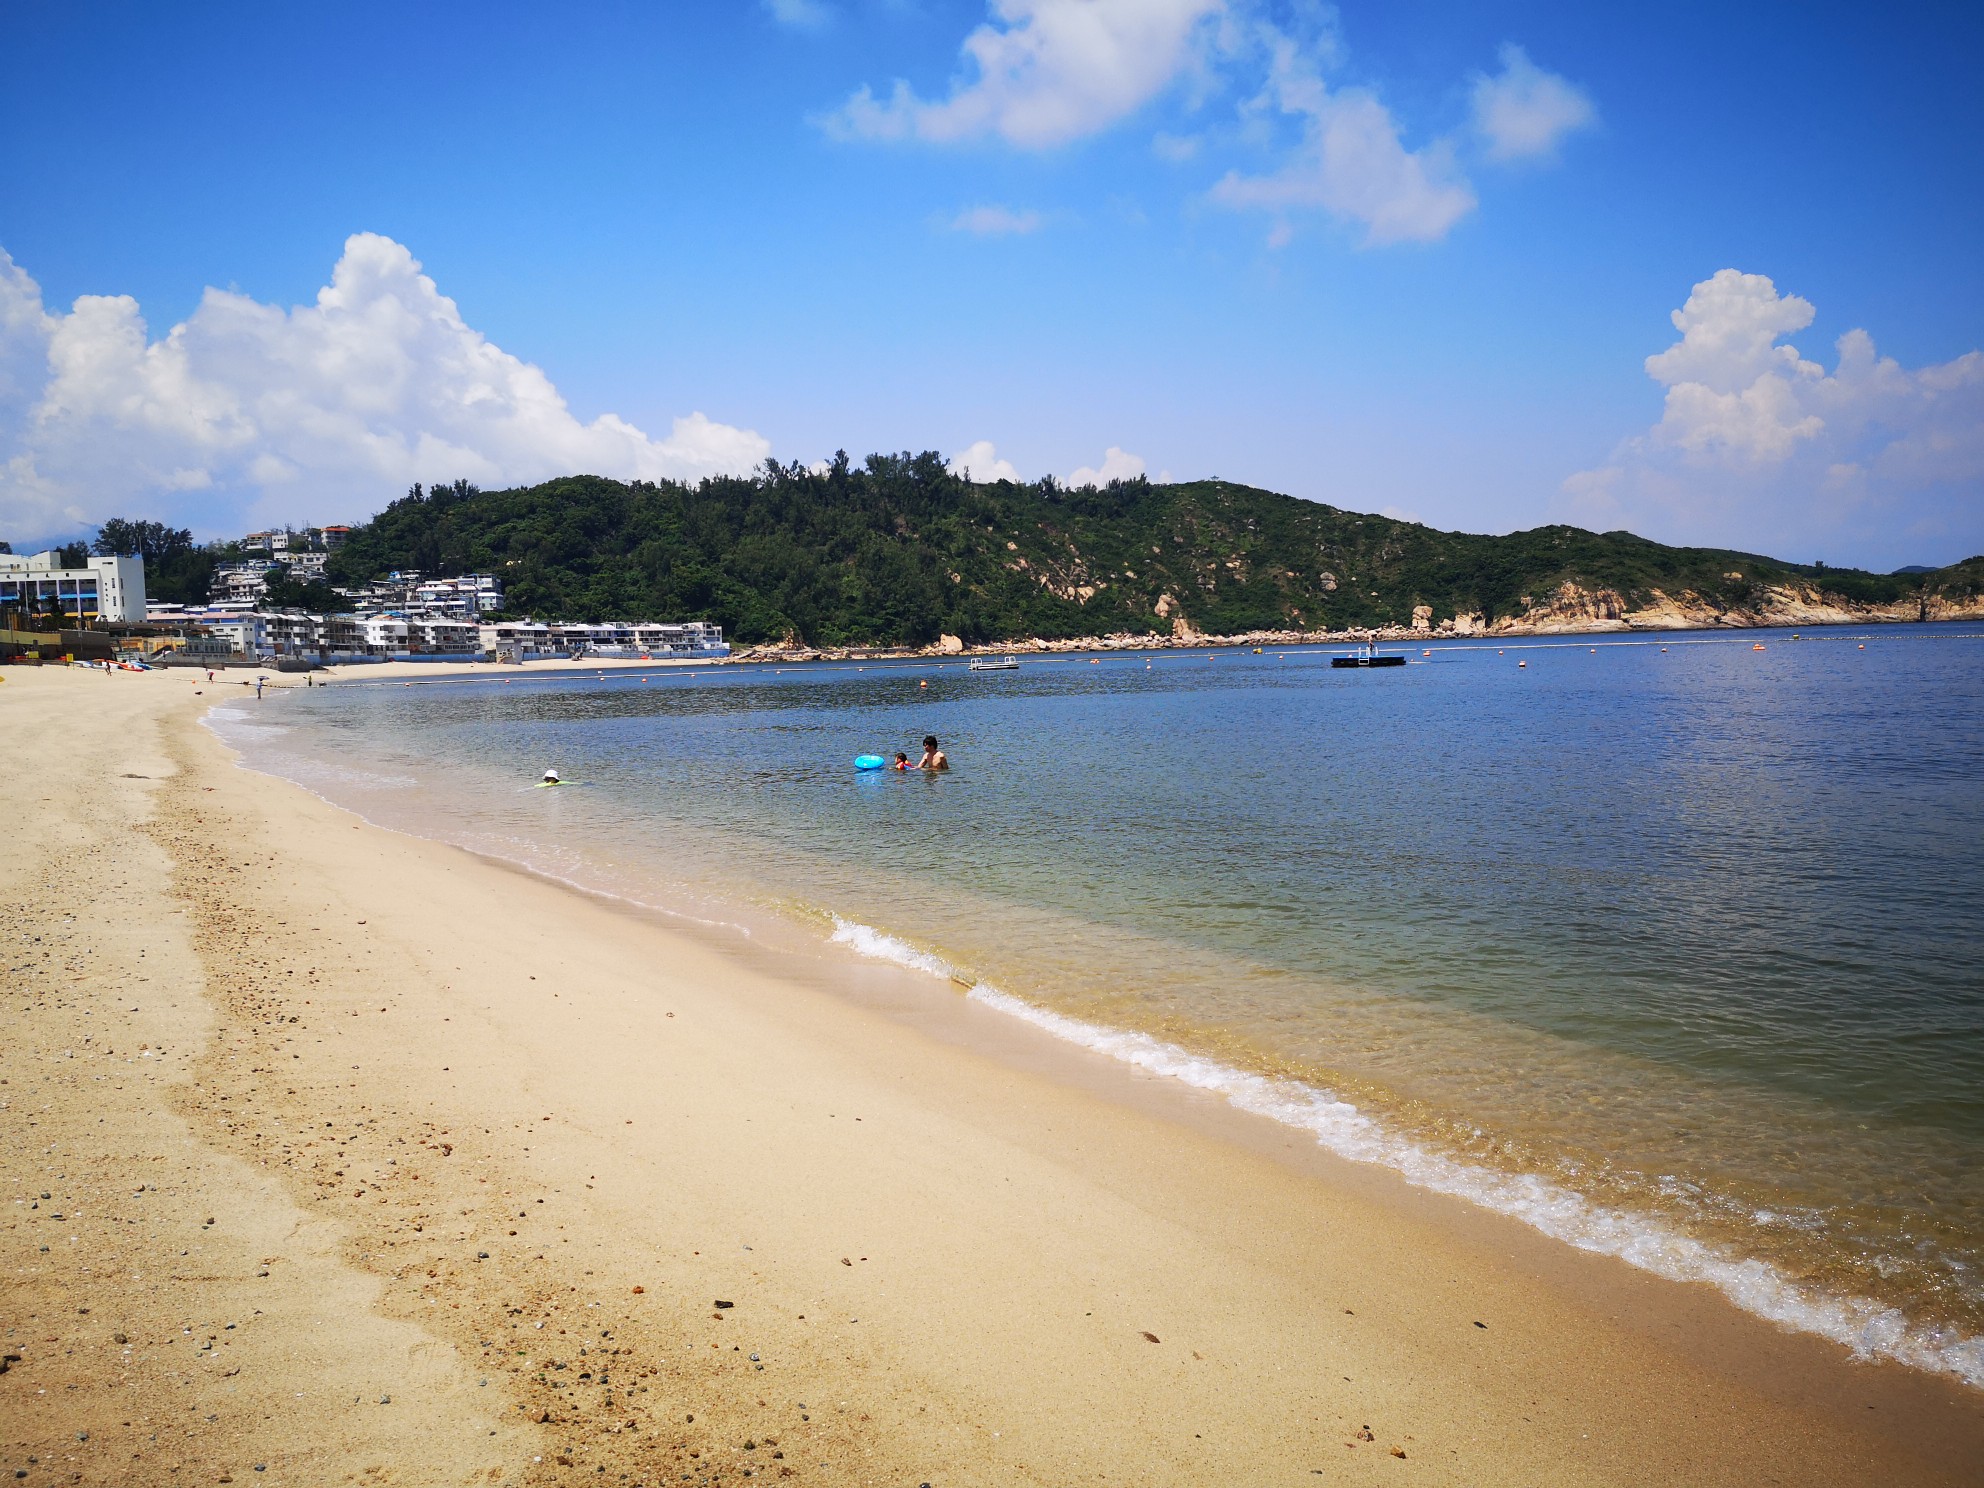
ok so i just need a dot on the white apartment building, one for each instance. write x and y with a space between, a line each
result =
371 637
103 589
283 540
232 630
227 633
443 635
236 582
528 639
516 640
641 638
471 594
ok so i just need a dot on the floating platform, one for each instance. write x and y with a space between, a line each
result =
1367 661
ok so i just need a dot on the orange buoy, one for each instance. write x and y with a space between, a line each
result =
1758 647
1863 645
1425 653
923 684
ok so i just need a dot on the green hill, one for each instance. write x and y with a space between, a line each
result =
898 550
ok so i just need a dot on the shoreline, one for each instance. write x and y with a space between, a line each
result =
1356 1127
1352 1128
1499 634
415 672
1025 1211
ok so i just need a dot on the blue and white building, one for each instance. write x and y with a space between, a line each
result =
102 589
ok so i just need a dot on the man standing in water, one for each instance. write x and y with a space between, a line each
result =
933 757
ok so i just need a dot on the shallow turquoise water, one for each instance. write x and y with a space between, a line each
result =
1692 934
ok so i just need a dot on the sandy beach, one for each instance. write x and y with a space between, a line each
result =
338 1156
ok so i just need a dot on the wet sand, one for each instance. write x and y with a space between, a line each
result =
376 1162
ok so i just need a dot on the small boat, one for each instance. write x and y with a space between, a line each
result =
1367 657
1370 660
994 664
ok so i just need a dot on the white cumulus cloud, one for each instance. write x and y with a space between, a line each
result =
1353 165
979 463
326 409
1117 464
1523 111
1759 447
1042 73
1351 160
995 221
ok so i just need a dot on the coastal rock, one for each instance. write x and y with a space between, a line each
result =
950 645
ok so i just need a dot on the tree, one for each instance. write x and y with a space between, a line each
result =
74 555
151 541
176 571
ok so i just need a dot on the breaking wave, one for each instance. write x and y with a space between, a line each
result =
1867 1329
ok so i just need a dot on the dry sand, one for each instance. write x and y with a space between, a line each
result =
367 1161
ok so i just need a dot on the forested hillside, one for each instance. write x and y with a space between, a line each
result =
898 549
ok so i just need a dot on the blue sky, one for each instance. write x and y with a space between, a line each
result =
1365 254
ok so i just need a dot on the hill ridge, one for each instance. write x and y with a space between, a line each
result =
899 550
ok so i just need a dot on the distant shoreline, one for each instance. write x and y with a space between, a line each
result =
1393 636
454 670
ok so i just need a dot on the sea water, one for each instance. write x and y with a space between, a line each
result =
1670 946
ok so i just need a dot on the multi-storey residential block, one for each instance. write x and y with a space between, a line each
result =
102 589
525 639
247 580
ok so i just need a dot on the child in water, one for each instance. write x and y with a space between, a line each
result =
902 761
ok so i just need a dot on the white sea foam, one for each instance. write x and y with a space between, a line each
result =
1868 1329
867 941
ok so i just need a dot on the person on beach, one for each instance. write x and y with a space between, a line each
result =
258 687
933 757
